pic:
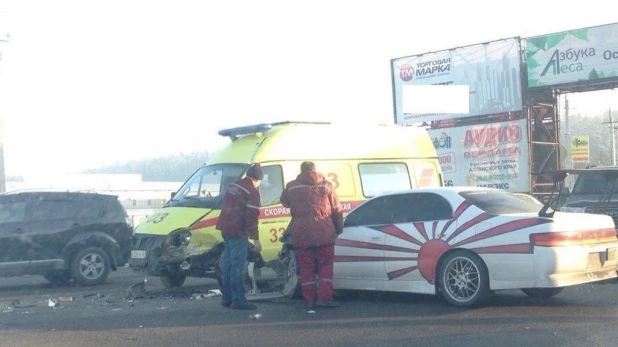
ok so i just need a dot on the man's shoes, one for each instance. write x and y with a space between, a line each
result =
226 304
327 303
243 307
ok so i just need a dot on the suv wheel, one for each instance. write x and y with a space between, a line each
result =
90 266
57 277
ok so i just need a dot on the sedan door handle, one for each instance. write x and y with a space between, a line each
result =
19 231
75 225
376 238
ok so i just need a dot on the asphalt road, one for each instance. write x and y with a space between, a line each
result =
585 315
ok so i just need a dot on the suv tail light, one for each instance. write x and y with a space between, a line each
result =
573 238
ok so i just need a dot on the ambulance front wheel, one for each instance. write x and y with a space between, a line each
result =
219 275
173 280
291 286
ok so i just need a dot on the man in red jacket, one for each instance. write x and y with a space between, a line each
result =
317 219
237 222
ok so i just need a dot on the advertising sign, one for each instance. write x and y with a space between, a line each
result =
487 155
580 148
572 56
491 71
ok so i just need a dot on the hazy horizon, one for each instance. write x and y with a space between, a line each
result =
88 84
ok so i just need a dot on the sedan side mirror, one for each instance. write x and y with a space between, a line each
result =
172 195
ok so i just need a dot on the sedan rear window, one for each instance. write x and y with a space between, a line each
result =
499 202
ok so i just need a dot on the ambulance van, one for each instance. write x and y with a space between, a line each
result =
361 161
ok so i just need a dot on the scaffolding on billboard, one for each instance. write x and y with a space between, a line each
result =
578 60
544 134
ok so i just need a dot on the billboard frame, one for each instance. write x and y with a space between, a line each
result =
570 87
522 65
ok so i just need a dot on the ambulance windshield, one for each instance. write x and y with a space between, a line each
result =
207 186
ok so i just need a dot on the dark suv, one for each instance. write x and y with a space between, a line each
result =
595 191
63 235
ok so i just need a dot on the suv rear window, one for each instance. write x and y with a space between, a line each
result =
499 202
593 183
76 206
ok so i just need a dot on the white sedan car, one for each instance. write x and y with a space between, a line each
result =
466 242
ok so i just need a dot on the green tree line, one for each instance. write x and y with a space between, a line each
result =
174 168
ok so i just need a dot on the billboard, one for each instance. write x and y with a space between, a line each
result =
580 148
587 54
490 70
486 155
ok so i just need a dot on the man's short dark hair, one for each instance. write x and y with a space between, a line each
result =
307 166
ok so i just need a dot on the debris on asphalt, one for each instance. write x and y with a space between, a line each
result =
65 298
137 290
265 296
96 296
211 293
52 302
24 306
161 308
17 304
311 311
255 316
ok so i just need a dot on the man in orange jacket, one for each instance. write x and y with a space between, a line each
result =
237 222
317 219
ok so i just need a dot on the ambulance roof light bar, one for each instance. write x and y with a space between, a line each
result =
233 133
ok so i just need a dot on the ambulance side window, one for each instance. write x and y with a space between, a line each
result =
380 178
271 186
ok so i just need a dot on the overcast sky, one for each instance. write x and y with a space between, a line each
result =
88 83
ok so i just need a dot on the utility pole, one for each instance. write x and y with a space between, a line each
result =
613 134
611 122
568 128
2 172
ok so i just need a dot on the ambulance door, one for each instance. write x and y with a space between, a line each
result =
274 218
339 174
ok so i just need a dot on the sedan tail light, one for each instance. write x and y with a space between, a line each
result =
572 238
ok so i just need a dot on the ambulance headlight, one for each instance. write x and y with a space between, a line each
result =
180 238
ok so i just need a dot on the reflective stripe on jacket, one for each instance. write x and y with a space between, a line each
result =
317 216
240 210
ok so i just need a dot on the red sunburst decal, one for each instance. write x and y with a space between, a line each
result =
431 246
